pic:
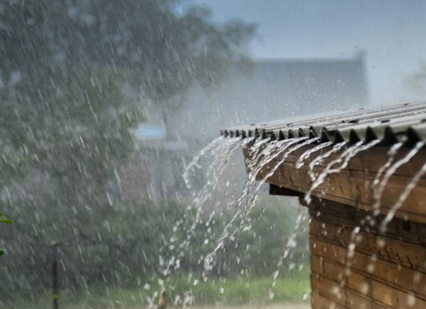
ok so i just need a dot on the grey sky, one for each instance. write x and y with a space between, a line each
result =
393 34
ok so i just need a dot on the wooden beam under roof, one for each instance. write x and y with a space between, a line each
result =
353 185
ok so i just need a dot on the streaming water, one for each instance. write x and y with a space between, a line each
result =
217 155
270 152
239 144
278 164
392 169
344 158
411 185
391 156
279 148
221 155
194 161
318 160
291 242
265 154
251 199
309 152
376 192
352 153
354 239
388 169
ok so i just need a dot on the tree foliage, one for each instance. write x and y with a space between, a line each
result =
126 247
77 74
75 77
4 220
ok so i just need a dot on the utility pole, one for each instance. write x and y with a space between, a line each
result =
55 276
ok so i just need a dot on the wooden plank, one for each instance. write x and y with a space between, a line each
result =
357 301
383 294
372 159
344 295
347 216
353 185
317 264
397 251
408 300
353 295
399 277
275 190
320 302
330 290
350 189
360 284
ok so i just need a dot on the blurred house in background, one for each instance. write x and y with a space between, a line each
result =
262 91
273 89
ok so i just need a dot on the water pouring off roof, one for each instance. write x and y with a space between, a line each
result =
390 124
362 176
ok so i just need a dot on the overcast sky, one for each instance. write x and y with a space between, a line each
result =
393 34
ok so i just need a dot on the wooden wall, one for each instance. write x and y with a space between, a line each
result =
369 268
353 185
385 270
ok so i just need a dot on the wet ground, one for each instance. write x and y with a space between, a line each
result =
271 306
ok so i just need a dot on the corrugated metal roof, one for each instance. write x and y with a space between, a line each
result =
391 124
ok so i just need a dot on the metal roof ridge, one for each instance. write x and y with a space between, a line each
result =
393 123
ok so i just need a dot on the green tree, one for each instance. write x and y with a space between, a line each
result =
66 64
4 220
76 76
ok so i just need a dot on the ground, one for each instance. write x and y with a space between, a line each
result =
271 306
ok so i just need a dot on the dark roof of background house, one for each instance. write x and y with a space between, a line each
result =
391 124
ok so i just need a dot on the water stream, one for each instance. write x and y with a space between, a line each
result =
319 159
344 158
271 154
390 171
278 164
306 155
402 198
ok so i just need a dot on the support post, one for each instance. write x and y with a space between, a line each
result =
55 275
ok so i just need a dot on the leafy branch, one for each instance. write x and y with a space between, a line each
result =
4 221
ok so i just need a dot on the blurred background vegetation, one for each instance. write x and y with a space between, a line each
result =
76 78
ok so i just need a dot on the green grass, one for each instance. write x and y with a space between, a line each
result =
292 288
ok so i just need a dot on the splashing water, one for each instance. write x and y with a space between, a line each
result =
281 146
267 157
262 153
240 144
273 150
251 200
220 150
280 162
194 162
290 245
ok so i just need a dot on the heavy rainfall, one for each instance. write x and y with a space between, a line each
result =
122 186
